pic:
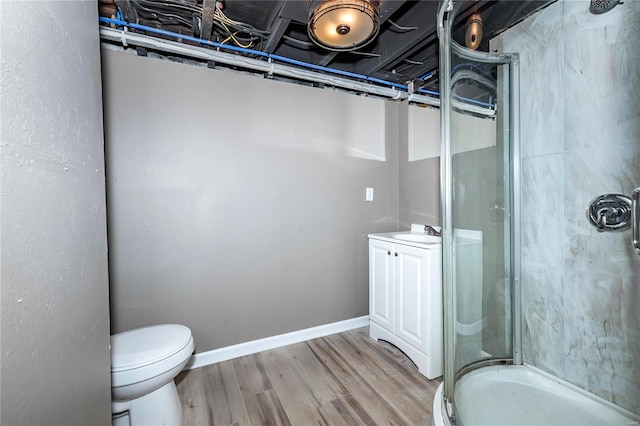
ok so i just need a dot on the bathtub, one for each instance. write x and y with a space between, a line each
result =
523 395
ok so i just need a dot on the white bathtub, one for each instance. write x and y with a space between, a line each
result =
523 395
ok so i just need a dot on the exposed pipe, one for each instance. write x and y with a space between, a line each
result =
251 52
254 64
393 91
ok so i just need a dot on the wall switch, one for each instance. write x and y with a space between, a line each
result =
368 196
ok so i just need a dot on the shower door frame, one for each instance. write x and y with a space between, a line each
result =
512 200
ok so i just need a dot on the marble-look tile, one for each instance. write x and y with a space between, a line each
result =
543 317
539 43
602 84
630 318
536 32
588 174
542 262
542 198
581 104
600 357
578 17
541 102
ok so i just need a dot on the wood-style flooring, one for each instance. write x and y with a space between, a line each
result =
342 379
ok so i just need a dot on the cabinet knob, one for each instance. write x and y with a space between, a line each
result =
389 252
396 254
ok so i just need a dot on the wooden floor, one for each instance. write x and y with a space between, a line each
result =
343 379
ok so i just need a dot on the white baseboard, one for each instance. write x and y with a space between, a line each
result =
255 346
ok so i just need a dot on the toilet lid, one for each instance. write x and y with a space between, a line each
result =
143 346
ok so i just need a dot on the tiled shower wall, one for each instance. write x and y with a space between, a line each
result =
580 128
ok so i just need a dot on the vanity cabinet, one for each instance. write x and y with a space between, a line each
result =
405 299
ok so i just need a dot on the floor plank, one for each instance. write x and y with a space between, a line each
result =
191 390
300 403
225 405
364 393
324 385
343 379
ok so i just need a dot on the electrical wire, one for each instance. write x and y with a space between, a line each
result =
161 16
302 43
368 54
283 59
189 14
400 27
238 28
170 4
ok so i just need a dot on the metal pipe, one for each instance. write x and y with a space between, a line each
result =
167 46
329 76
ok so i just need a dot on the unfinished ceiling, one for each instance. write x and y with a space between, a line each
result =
404 50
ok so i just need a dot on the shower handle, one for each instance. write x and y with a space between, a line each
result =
635 219
617 212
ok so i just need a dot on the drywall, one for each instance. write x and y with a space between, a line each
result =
423 126
236 204
54 319
419 179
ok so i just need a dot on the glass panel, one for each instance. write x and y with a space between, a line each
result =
478 212
476 94
579 140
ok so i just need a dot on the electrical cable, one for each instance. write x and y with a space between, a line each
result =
170 4
184 13
283 59
301 43
368 54
400 27
252 52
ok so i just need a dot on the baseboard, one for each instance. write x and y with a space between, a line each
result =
255 346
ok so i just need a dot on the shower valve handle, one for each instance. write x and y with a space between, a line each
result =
617 212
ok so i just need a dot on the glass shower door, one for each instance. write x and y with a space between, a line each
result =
478 125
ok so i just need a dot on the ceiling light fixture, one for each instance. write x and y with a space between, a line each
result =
474 31
343 25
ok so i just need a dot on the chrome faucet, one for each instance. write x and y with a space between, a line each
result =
430 231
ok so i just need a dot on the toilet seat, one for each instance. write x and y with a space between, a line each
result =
140 354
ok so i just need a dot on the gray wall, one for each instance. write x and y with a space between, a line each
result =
419 190
580 90
236 204
55 319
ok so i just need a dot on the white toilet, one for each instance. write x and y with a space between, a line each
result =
144 363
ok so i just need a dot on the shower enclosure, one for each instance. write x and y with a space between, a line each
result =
542 309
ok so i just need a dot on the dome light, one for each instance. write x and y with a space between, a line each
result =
343 25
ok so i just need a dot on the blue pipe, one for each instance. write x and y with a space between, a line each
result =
122 23
253 52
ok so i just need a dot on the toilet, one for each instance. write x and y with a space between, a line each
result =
144 363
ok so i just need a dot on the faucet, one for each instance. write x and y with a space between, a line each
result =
430 231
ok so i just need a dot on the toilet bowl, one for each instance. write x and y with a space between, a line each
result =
144 363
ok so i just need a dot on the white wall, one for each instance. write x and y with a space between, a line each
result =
419 165
236 203
54 319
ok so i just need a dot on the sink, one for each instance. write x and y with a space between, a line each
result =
418 238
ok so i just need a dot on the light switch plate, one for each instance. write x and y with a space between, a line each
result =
368 196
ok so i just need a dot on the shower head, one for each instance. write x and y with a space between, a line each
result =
601 6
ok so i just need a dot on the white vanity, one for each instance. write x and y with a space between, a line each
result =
405 296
